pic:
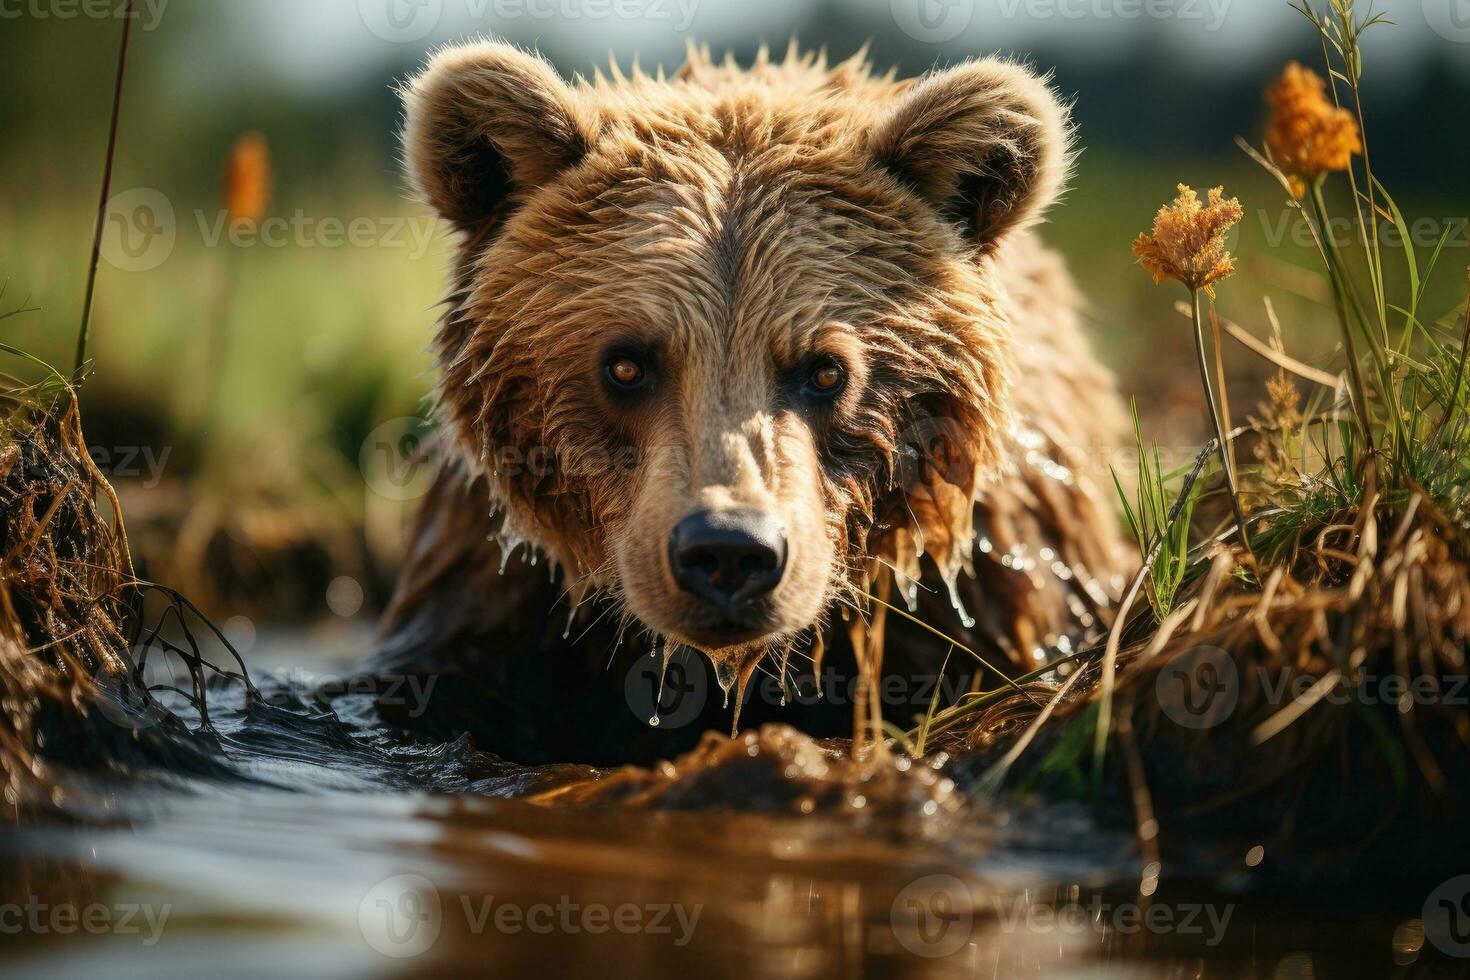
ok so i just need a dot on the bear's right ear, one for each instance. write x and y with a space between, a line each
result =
987 143
484 121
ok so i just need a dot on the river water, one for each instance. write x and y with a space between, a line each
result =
329 845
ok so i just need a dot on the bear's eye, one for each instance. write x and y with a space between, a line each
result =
826 377
624 371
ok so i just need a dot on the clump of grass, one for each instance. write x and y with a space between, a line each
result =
74 633
1153 519
1356 565
63 563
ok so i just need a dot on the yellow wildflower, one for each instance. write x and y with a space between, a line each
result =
1307 134
1188 243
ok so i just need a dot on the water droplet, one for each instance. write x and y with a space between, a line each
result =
740 703
725 677
954 598
654 720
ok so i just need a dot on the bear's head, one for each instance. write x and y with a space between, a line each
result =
727 343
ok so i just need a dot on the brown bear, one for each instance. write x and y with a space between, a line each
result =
727 355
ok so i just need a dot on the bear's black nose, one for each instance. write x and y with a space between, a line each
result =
728 557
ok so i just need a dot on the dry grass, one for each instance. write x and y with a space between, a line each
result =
64 562
74 619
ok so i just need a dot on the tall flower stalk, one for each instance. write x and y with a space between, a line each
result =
1188 247
84 331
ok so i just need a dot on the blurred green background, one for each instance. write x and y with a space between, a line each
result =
247 375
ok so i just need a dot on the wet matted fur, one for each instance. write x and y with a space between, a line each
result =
730 225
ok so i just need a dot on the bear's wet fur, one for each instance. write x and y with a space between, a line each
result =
730 226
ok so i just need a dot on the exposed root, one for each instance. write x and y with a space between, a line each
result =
73 647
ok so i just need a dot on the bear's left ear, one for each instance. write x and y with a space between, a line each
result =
987 143
485 122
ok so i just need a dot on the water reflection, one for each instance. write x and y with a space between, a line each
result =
323 859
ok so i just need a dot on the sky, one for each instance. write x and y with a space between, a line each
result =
335 43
